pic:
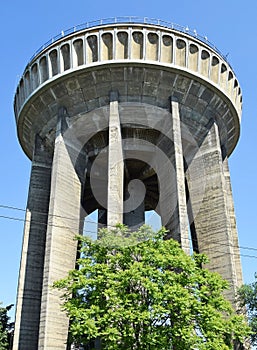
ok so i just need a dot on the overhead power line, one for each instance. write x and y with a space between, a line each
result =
87 231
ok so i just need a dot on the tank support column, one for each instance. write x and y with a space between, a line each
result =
231 210
115 165
213 219
61 248
33 251
177 223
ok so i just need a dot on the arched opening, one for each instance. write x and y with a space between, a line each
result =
230 82
152 45
205 63
27 83
92 49
78 55
122 45
180 53
54 63
167 49
107 47
43 66
65 57
193 57
223 76
215 69
137 45
35 77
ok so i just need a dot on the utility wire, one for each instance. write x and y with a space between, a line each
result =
222 253
219 243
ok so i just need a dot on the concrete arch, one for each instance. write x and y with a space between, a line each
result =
106 47
65 59
214 75
34 76
121 48
92 49
27 83
223 76
193 57
43 68
230 82
152 46
137 45
54 66
205 63
180 52
166 49
78 53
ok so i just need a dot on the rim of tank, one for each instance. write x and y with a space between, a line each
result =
119 21
133 21
128 20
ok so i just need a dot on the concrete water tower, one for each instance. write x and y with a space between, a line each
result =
122 116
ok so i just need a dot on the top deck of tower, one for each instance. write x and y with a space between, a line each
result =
118 42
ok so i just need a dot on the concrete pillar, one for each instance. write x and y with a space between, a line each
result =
177 224
115 165
33 251
234 235
61 248
212 219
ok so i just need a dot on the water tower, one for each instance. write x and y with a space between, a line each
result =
122 116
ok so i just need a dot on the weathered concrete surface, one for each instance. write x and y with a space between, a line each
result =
178 222
212 218
233 236
170 156
61 246
33 251
123 44
115 166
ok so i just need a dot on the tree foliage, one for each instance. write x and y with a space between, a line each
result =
6 328
139 291
247 296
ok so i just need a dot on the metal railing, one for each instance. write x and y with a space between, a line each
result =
132 20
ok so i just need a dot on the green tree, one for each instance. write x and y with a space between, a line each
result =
144 292
247 296
6 328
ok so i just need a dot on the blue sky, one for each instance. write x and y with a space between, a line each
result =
26 25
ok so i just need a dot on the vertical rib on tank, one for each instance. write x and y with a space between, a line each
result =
122 118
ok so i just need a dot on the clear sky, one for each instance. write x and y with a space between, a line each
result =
26 25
